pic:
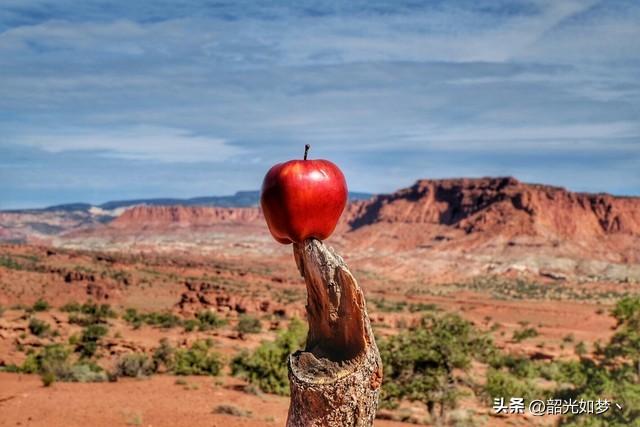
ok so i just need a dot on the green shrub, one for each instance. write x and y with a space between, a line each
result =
86 373
249 325
627 310
419 363
616 384
134 365
580 349
163 355
421 306
91 313
266 367
38 327
31 364
231 410
524 333
506 385
566 372
71 307
53 364
614 376
208 320
164 320
387 306
197 360
88 343
132 317
190 325
98 311
521 367
624 346
47 378
40 305
10 263
11 368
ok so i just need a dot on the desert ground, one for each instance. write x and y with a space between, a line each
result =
273 293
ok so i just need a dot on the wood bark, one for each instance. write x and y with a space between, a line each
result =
335 381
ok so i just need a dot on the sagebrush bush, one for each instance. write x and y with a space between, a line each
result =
88 343
266 367
520 366
38 327
47 378
387 306
71 307
53 363
208 320
199 359
506 385
132 317
249 325
524 333
164 319
163 355
91 313
231 410
580 348
135 365
86 373
40 305
190 325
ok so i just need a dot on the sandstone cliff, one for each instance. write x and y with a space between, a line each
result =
159 217
490 204
498 217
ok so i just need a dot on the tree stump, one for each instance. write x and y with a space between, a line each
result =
335 380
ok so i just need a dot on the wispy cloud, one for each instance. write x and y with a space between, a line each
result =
137 143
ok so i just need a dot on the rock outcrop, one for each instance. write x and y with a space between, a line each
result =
201 295
498 217
145 217
491 203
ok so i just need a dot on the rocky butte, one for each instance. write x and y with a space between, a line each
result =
160 217
503 211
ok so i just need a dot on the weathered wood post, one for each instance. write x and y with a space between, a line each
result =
335 381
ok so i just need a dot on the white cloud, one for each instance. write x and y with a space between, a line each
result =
558 133
450 34
139 143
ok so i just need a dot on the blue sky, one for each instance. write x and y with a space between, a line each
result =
125 99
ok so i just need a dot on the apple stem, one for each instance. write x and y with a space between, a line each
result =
306 150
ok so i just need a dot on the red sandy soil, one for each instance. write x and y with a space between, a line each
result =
156 401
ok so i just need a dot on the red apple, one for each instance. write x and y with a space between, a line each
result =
302 199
